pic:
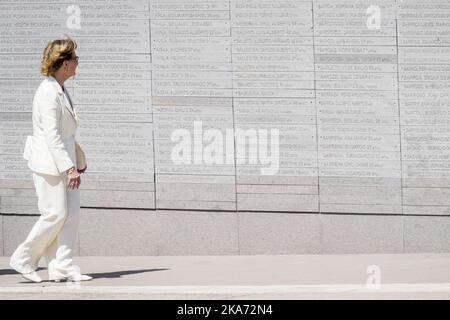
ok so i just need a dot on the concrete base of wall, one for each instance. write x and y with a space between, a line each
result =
108 232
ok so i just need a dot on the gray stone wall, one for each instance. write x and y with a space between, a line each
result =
358 90
191 232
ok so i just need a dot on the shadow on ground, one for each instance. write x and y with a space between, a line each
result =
102 275
119 274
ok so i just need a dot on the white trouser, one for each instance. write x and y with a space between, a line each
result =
54 234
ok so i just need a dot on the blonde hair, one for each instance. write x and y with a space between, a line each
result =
55 53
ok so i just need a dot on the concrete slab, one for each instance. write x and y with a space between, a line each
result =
197 233
361 233
427 234
1 235
279 233
118 232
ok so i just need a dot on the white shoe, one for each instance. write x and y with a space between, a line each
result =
74 278
32 276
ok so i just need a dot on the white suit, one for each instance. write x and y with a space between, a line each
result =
50 153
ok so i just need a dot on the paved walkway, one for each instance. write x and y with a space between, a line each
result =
364 276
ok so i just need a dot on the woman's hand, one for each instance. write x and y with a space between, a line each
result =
82 170
74 179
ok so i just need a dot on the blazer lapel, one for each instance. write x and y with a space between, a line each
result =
69 106
63 98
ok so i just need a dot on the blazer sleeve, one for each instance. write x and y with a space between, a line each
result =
50 116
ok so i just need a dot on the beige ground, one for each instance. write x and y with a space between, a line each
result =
388 276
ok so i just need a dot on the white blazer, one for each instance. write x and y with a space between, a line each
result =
51 148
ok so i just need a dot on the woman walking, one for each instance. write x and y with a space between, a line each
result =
52 155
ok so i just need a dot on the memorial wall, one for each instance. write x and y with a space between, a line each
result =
357 92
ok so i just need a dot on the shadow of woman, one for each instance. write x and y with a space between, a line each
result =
119 274
104 275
